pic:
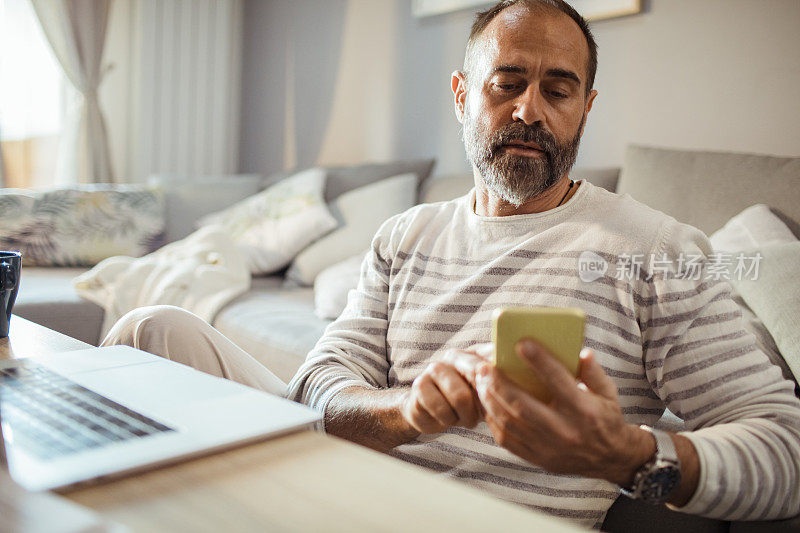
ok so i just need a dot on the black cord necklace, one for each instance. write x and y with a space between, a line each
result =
571 183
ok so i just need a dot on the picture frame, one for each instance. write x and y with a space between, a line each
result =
429 8
591 10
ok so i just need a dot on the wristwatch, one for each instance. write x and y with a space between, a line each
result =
660 476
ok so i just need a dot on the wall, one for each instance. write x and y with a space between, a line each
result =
322 83
709 74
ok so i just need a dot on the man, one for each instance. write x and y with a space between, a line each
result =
404 368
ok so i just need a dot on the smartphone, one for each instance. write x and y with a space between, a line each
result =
558 329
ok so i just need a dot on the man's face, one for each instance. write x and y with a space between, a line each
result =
523 103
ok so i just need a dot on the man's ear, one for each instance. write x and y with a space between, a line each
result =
589 102
458 84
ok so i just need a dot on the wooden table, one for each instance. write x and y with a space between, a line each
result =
300 482
27 339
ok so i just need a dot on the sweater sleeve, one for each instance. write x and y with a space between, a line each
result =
743 416
352 351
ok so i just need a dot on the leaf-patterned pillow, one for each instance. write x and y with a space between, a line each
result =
81 226
272 226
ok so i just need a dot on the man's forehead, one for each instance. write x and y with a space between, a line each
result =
519 35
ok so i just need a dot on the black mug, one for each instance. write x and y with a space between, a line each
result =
10 270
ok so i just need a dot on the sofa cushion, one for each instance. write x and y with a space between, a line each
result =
46 297
705 189
276 325
81 226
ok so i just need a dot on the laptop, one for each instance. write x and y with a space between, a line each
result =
82 416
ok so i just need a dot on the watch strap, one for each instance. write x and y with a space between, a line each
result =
665 448
657 478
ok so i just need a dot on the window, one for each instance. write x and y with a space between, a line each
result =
33 97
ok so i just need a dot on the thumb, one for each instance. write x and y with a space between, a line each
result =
592 374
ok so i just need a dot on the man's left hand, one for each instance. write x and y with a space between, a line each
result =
581 431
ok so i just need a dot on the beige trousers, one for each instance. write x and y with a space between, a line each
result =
180 336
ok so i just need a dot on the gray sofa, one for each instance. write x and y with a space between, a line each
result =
277 325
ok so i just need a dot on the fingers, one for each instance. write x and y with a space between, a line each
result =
591 373
554 375
524 425
518 411
561 384
440 398
508 440
432 401
459 394
420 419
465 364
466 361
485 350
448 392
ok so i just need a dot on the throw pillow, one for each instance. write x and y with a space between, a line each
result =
361 211
752 228
273 225
771 302
81 226
775 298
334 284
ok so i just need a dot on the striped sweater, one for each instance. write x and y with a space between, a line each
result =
436 273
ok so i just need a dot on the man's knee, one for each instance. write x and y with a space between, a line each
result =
150 328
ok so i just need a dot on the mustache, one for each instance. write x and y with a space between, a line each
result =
518 131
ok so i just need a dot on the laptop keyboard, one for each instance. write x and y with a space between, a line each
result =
49 415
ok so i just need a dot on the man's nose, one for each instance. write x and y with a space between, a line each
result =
529 106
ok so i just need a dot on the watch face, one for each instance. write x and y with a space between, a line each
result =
660 482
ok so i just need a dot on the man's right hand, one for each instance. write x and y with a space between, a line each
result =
444 394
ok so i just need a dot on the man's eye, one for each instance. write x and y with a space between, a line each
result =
506 86
558 94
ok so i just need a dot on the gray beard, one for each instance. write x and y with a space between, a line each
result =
516 179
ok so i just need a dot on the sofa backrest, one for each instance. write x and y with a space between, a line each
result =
705 189
342 179
187 200
445 187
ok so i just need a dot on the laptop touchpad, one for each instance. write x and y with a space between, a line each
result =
157 385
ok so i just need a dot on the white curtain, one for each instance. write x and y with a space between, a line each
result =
76 30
